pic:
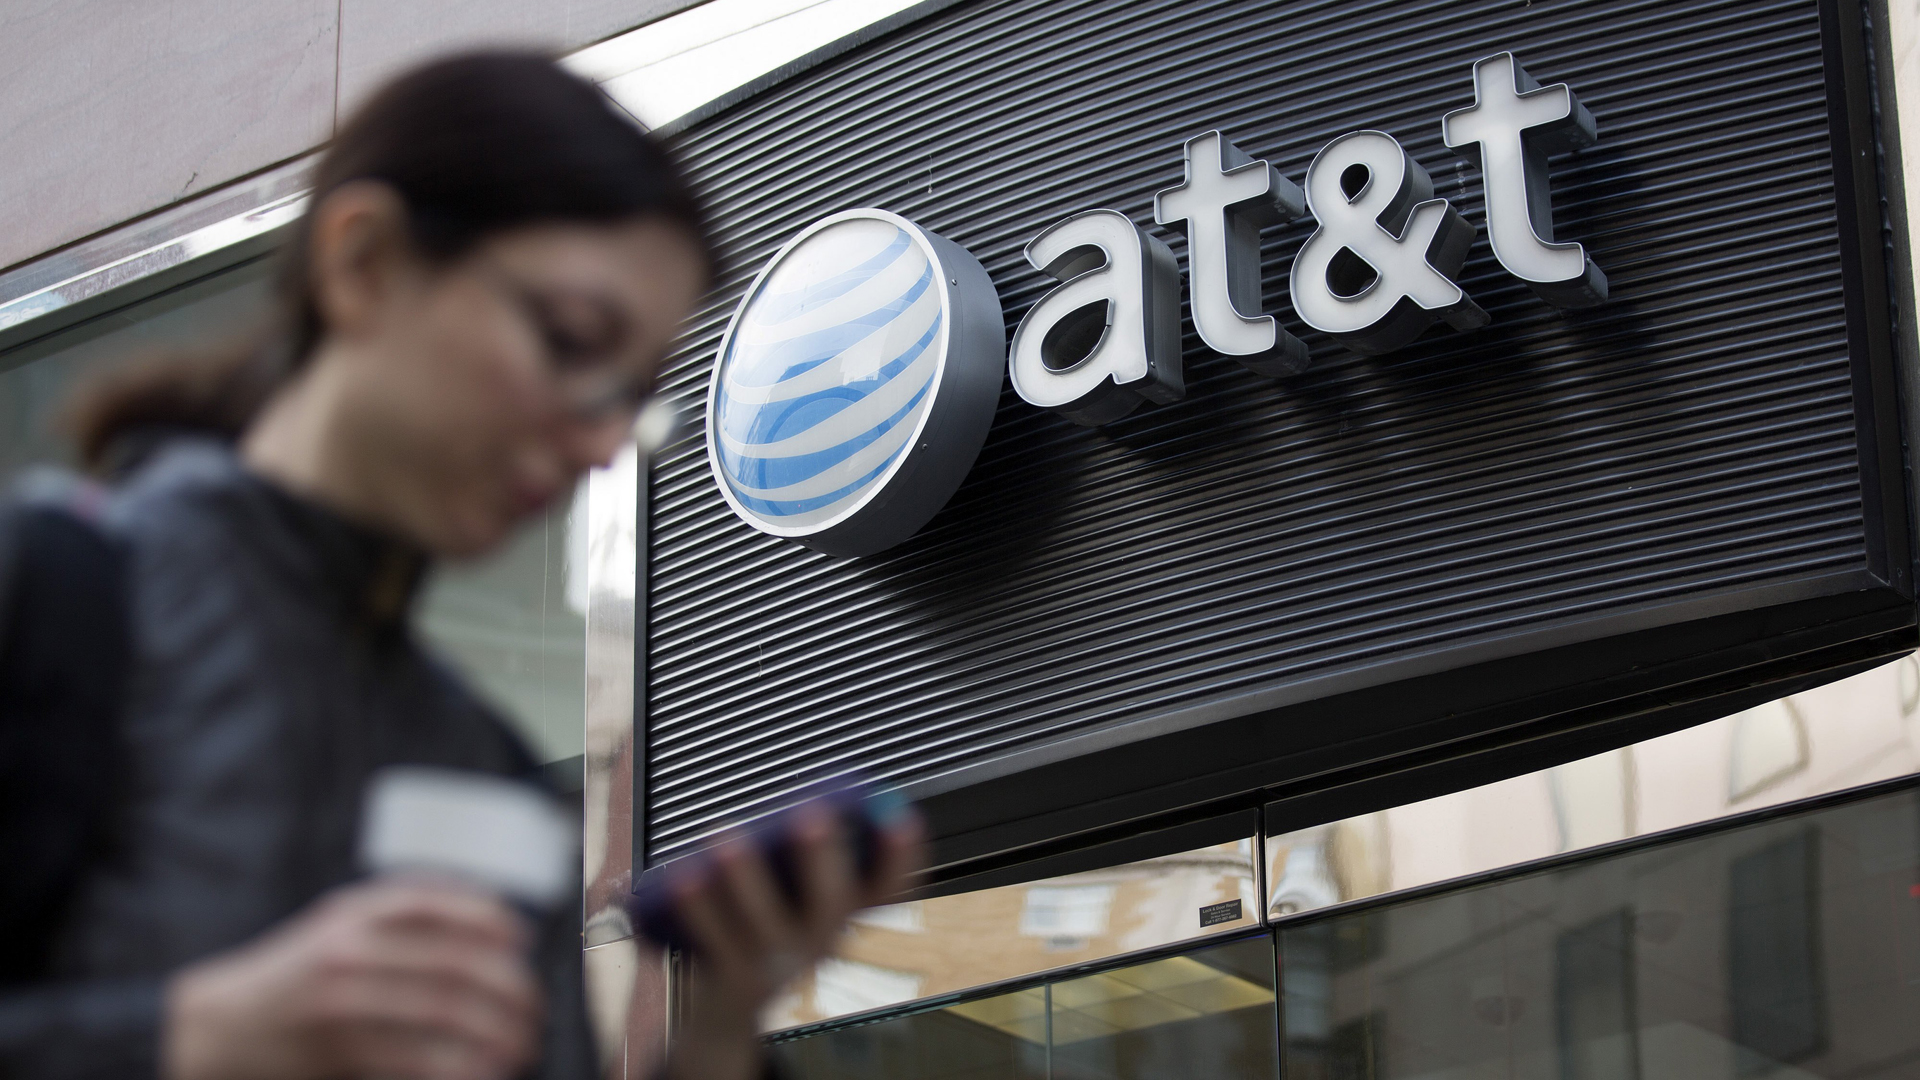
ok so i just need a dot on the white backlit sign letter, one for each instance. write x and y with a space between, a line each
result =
1513 124
1380 268
1225 199
1108 336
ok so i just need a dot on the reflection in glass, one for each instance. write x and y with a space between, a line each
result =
1840 735
613 515
36 378
1773 953
515 624
1000 1038
950 943
1769 745
1593 799
633 1036
1209 1013
1787 949
1022 1015
1594 999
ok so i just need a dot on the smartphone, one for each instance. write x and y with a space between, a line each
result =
863 812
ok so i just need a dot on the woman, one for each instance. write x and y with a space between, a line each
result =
493 264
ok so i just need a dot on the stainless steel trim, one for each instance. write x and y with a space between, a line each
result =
802 63
187 240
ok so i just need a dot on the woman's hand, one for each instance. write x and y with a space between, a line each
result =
750 941
397 979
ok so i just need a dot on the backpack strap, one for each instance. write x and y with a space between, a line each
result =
65 657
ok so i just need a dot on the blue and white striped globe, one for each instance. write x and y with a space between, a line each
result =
827 374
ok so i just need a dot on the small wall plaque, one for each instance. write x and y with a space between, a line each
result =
1224 912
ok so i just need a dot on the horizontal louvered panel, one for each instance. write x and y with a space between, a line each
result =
1696 435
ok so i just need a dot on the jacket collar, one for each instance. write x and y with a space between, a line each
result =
371 578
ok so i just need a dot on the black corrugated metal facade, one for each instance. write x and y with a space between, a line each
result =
1697 446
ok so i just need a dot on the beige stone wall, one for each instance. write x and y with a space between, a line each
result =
110 110
1903 27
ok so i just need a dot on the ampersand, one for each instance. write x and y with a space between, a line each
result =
1380 268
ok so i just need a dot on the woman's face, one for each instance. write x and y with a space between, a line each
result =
471 396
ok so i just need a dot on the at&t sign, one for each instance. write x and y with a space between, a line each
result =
857 380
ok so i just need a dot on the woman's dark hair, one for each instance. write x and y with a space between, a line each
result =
476 145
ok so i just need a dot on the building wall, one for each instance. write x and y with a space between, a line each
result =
1903 28
114 110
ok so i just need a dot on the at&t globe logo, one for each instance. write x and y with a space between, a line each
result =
855 384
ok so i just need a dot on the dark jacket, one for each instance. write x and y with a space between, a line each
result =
274 670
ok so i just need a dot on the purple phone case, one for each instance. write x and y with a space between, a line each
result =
862 811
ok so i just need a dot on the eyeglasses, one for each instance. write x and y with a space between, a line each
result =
604 395
590 384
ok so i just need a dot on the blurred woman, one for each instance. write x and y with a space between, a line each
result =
470 315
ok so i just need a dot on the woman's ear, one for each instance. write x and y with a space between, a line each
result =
360 255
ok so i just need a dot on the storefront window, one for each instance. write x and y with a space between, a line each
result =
1208 1013
514 623
1840 735
36 378
931 947
1000 1037
1787 949
1837 736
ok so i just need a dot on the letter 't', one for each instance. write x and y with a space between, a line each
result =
1511 127
1224 201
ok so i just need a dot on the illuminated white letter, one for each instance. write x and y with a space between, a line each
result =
1108 335
1513 124
1381 266
1225 199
